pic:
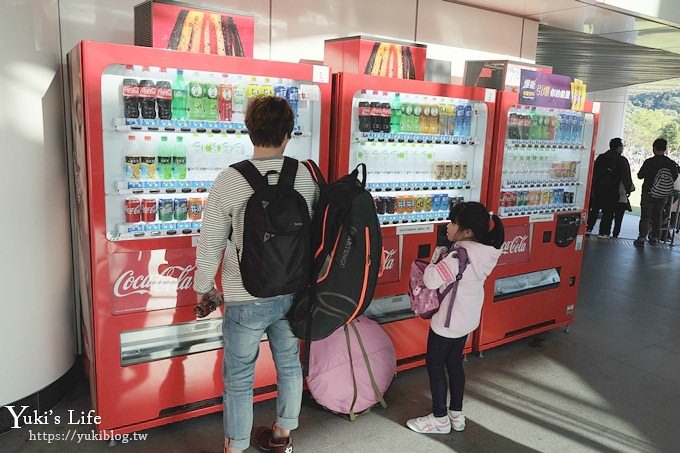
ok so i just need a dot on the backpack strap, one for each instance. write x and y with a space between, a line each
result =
463 261
352 415
251 174
315 171
288 171
376 390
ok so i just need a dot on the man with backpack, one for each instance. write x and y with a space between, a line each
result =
256 225
611 170
659 172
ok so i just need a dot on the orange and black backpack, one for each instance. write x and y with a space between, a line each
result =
347 252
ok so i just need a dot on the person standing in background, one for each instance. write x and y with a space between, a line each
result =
651 205
611 169
626 187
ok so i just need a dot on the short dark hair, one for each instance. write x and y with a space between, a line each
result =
660 144
474 216
615 143
269 120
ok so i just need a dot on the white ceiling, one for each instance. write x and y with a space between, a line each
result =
597 17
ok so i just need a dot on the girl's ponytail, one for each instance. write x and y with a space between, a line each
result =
496 234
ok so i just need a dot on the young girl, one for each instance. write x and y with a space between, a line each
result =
482 235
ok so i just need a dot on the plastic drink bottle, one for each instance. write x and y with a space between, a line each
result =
210 100
395 117
467 121
292 96
239 103
132 159
147 159
179 159
434 119
459 120
225 94
179 97
130 92
195 109
164 159
147 96
252 90
164 99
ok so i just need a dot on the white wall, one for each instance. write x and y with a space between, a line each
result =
36 309
37 305
612 115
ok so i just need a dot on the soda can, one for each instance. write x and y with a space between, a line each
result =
420 204
149 209
181 209
390 205
133 167
463 170
436 206
195 208
558 196
427 203
438 170
133 210
448 170
455 170
546 196
409 204
443 202
166 209
380 205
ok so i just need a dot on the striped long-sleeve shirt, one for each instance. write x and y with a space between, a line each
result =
224 214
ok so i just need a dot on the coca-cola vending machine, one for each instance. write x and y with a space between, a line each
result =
152 129
541 170
426 147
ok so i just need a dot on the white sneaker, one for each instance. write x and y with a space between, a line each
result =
457 420
430 425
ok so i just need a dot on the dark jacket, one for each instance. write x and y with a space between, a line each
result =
651 167
610 169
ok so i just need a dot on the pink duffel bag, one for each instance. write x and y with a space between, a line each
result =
350 370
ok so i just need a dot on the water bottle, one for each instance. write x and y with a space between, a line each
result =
467 121
459 121
292 96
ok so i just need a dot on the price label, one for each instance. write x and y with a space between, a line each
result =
320 74
489 95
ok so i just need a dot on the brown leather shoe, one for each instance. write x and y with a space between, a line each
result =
266 442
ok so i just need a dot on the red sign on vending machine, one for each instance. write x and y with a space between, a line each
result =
516 246
152 280
392 256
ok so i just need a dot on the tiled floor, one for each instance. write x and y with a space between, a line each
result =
611 384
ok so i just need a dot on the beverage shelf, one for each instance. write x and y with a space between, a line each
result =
160 187
416 217
548 183
518 143
418 185
155 229
518 211
183 126
398 137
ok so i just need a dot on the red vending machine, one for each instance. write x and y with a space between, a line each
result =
152 129
426 146
541 170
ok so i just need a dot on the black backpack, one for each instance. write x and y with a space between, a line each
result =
347 246
607 176
276 255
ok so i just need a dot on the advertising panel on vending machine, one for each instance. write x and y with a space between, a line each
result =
541 171
426 146
152 130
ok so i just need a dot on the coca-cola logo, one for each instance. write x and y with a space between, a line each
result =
390 259
518 244
133 209
164 93
130 90
129 283
148 92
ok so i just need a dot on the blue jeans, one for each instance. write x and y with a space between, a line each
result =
243 328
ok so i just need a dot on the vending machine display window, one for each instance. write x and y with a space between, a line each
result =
546 161
423 153
168 133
